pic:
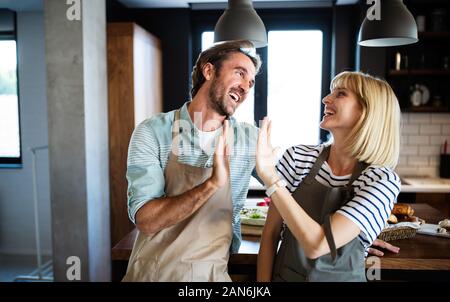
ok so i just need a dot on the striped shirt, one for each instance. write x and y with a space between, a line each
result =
376 189
149 150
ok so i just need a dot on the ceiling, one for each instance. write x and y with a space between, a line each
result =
37 5
213 4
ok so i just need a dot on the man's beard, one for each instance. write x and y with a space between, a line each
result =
218 100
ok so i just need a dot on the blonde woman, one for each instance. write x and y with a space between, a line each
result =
334 199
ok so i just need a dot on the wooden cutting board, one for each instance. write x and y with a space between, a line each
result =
251 230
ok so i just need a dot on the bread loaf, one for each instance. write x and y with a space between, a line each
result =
402 209
392 219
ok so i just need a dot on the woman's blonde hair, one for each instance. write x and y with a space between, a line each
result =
375 139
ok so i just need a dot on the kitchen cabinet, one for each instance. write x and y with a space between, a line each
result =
134 94
419 73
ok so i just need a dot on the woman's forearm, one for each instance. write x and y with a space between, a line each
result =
305 229
266 256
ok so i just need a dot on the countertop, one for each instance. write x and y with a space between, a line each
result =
425 184
410 184
422 252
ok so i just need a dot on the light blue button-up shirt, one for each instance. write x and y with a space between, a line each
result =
148 155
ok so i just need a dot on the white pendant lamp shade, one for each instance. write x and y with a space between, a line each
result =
396 26
241 22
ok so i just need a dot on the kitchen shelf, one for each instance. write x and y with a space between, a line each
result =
428 35
425 63
423 72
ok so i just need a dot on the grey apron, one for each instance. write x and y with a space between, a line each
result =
320 203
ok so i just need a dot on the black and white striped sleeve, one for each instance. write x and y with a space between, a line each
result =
376 191
295 164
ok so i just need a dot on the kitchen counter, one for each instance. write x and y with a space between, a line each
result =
421 252
425 185
409 185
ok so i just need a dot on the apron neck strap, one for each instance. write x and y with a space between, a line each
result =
323 156
176 130
176 124
316 166
357 170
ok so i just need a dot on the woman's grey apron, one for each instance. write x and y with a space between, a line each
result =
320 203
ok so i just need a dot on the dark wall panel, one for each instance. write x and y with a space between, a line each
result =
172 27
345 31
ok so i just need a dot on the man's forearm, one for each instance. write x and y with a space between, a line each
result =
164 212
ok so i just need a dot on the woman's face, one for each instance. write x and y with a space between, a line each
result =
342 110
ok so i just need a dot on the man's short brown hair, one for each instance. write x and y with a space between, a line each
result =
217 54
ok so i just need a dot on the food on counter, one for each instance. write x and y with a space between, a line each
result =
403 212
254 215
401 223
445 224
392 219
442 230
402 209
264 203
403 218
401 230
433 230
253 220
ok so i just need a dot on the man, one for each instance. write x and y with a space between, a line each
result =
187 213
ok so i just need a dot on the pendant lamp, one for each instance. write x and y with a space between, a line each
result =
241 22
396 26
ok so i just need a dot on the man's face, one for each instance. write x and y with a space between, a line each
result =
230 86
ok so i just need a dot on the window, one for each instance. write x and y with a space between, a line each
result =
295 74
10 148
294 83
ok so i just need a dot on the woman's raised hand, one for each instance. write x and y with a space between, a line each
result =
266 155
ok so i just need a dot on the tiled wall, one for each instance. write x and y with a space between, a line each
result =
421 140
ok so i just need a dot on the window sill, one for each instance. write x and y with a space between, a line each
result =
11 166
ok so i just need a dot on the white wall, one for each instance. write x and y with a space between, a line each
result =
422 137
16 192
